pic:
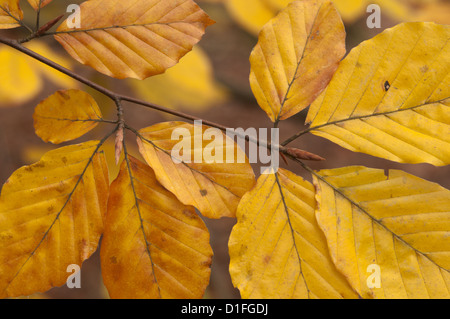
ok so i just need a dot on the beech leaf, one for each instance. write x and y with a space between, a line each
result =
134 39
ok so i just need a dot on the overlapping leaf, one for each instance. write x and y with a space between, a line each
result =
65 116
296 56
211 184
10 14
134 39
398 222
391 97
51 216
277 249
153 246
36 4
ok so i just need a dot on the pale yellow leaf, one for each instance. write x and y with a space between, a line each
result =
153 245
399 223
296 56
134 39
277 249
390 97
51 216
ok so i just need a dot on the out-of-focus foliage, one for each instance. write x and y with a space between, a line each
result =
65 116
188 85
284 76
134 39
10 14
22 78
254 14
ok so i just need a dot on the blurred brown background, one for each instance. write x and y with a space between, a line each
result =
228 47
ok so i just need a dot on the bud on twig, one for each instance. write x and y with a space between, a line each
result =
303 155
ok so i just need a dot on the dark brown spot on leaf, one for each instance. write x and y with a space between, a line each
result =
203 192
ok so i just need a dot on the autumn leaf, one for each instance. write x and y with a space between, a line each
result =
51 216
134 39
65 116
285 75
212 185
10 14
153 246
36 4
188 85
22 78
390 97
277 249
397 222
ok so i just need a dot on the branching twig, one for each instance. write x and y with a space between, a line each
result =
119 98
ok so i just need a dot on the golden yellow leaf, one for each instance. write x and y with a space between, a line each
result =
198 177
296 56
36 4
252 15
22 78
134 39
10 14
61 80
65 116
390 97
51 216
188 85
153 245
277 249
398 224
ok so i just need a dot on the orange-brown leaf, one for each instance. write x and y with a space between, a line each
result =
134 39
